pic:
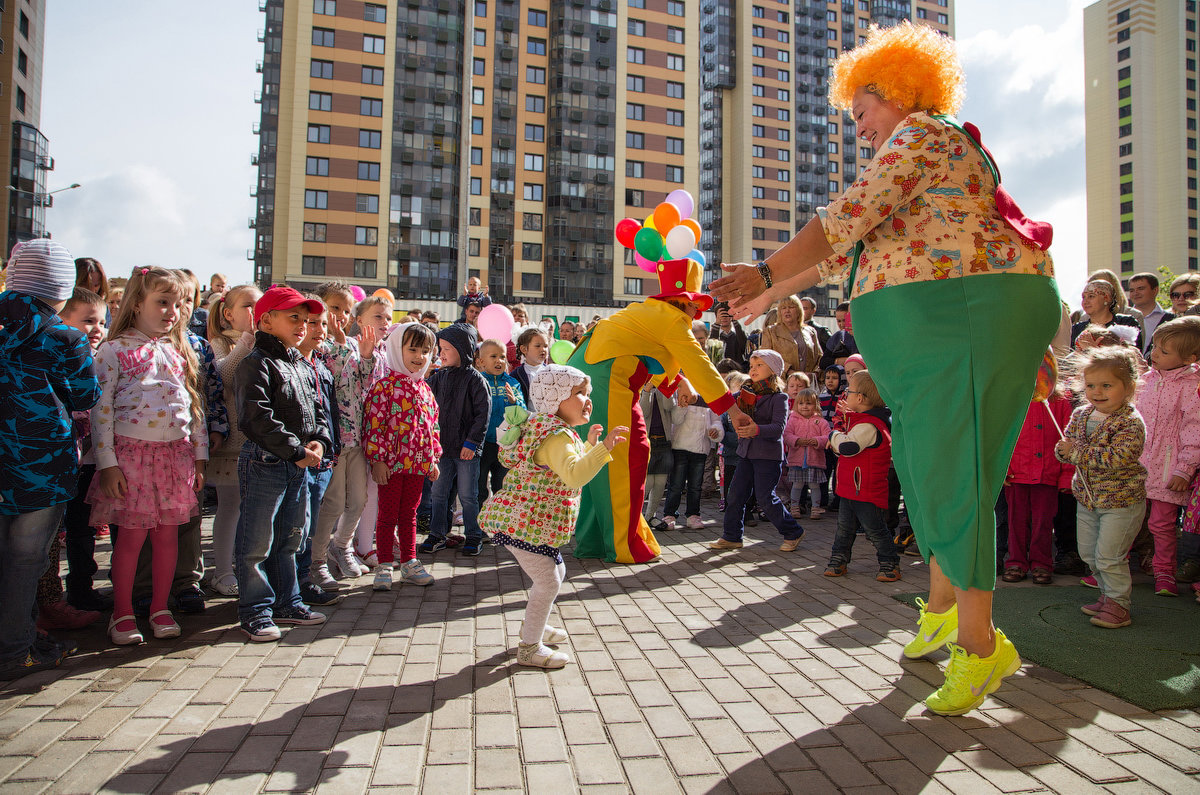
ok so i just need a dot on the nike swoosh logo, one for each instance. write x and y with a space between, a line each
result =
930 636
977 691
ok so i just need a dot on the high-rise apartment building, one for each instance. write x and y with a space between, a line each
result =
1140 103
415 144
24 151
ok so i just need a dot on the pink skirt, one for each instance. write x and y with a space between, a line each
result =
160 476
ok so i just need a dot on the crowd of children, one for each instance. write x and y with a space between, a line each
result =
330 435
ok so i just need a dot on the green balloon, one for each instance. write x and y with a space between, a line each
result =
649 244
561 351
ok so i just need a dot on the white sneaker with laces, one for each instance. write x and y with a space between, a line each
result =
383 579
343 560
415 573
322 579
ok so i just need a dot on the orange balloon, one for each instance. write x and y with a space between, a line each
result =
384 292
666 217
694 225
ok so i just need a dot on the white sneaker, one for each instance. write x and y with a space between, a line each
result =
415 573
458 520
367 562
321 578
669 522
695 523
343 560
383 579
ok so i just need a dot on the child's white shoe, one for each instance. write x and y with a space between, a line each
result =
383 579
552 636
164 629
537 655
130 636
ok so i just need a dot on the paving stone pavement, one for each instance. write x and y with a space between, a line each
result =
742 671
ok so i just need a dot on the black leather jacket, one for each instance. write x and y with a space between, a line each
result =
277 401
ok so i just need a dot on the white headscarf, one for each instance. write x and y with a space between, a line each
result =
552 385
394 346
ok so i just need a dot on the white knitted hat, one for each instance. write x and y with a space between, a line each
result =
42 268
552 385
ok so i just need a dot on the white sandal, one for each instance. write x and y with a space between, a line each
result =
554 636
161 631
124 637
536 655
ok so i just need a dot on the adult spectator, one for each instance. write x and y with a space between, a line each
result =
823 334
471 314
1100 303
1185 295
730 332
566 330
414 316
1143 294
430 319
841 344
793 340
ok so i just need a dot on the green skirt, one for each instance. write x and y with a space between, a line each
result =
956 362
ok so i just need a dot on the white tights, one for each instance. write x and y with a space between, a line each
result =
547 576
229 508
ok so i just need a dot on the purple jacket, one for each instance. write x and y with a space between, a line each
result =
770 412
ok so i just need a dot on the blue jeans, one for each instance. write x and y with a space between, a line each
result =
24 552
853 514
687 467
453 470
269 531
756 477
316 481
491 471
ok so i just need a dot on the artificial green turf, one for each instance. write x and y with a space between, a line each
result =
1154 662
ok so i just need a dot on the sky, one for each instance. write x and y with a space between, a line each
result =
148 105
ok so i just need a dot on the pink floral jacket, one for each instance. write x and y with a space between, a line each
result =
400 425
1171 408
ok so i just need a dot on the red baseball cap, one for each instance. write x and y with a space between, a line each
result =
284 298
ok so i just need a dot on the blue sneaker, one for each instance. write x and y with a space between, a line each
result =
472 547
431 544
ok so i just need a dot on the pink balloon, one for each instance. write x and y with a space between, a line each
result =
495 322
358 292
645 264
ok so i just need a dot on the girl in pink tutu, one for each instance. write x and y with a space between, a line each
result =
150 440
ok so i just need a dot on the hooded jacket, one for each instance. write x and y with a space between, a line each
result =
464 404
1170 405
45 374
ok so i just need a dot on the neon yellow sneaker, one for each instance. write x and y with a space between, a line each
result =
970 678
934 630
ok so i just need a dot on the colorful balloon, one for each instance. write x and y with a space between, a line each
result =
649 222
645 264
683 200
1047 377
680 241
384 292
561 351
698 255
495 322
666 217
694 225
627 230
649 244
358 292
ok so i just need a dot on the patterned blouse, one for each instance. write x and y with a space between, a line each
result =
400 425
1107 472
924 209
352 376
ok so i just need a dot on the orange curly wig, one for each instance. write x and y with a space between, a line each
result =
912 65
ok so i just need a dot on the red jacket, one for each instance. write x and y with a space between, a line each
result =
863 476
1033 461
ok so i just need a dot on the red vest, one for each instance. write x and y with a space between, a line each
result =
864 476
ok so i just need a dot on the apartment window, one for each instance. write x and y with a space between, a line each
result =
370 107
635 55
473 247
758 131
635 198
312 266
537 18
785 195
369 139
785 175
321 69
1124 130
758 212
368 171
1124 150
477 125
922 13
366 236
757 172
758 192
674 173
943 19
373 44
674 146
374 13
758 91
635 111
633 286
675 8
831 34
675 118
831 53
1123 16
781 16
476 189
635 140
1126 187
758 233
757 70
535 163
531 222
783 75
476 156
675 35
758 12
531 282
318 133
481 8
783 95
479 66
365 268
635 168
532 192
322 37
531 252
535 46
22 62
637 4
783 135
535 74
782 36
316 166
675 63
635 83
477 96
1123 35
1126 246
783 155
314 233
1126 207
535 132
783 56
535 104
319 100
1123 54
366 203
316 199
325 7
637 27
758 31
474 216
480 37
783 114
757 51
864 152
758 151
372 75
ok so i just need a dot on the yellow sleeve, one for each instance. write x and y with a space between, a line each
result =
575 463
697 367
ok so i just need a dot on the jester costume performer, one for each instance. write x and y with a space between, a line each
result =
646 342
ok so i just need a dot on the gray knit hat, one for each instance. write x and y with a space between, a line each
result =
42 268
771 359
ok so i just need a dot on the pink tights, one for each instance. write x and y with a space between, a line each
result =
165 541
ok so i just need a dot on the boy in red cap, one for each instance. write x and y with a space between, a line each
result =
287 430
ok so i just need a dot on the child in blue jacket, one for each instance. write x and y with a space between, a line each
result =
505 391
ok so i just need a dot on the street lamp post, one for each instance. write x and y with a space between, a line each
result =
43 199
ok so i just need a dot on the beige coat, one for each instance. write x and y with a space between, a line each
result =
779 339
